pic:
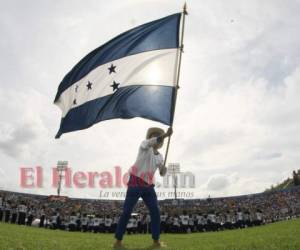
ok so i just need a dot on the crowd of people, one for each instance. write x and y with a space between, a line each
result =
180 216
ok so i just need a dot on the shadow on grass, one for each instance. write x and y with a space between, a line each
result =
137 248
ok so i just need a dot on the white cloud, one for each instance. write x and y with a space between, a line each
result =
218 182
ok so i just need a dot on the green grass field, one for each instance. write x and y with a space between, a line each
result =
281 235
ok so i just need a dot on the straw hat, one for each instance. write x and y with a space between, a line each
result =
151 131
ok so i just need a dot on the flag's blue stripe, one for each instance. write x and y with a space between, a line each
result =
159 34
147 101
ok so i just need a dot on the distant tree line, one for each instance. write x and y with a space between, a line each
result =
289 182
296 177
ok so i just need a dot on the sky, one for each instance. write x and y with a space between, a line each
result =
237 123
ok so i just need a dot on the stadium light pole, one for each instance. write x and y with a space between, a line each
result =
174 169
175 187
61 166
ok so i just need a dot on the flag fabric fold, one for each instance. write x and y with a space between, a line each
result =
132 75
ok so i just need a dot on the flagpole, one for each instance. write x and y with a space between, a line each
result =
184 13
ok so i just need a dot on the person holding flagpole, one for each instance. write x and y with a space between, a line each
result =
135 74
141 184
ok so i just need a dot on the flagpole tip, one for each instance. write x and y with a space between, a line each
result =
185 9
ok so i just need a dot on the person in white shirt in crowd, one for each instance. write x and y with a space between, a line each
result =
14 214
148 222
211 221
233 220
30 215
176 224
91 224
239 219
199 222
184 222
53 221
101 224
218 224
222 220
78 221
108 224
63 223
258 217
58 219
22 209
129 226
191 223
143 224
139 220
169 224
135 224
163 220
84 223
47 222
1 208
7 211
72 225
96 223
115 222
42 216
205 223
247 220
228 220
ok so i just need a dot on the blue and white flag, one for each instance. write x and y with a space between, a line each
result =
132 75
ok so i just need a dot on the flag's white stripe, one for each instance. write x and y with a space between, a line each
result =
156 67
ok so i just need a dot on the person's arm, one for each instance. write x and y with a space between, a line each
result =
161 138
156 140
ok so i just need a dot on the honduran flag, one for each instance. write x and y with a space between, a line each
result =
132 75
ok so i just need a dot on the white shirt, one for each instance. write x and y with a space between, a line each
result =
132 223
176 222
147 162
116 219
73 219
199 219
163 218
191 221
212 217
6 206
184 219
96 221
240 216
22 208
84 221
170 220
258 216
148 218
228 218
53 219
42 212
108 222
246 216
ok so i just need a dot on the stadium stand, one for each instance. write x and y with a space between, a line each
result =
197 215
